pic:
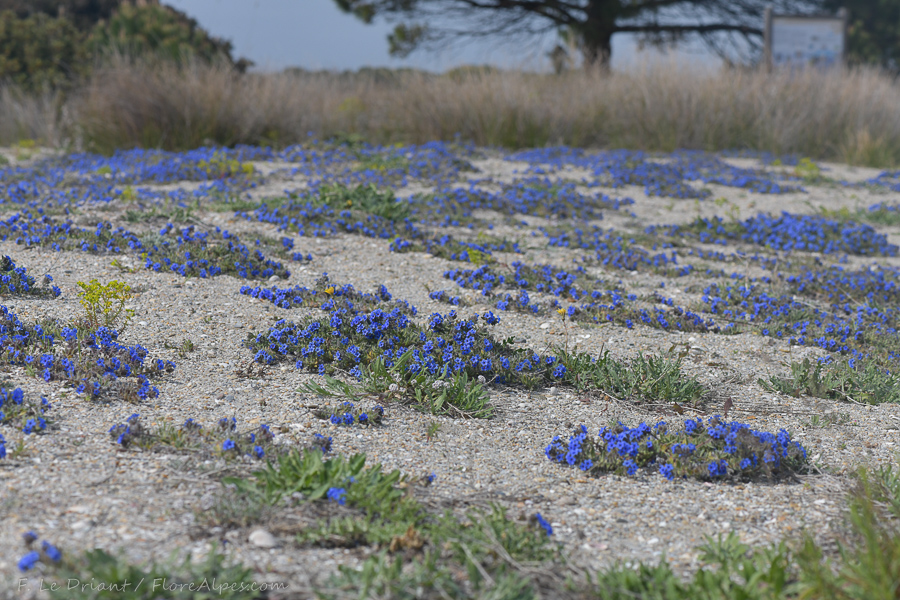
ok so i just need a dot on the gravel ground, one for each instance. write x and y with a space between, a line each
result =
76 487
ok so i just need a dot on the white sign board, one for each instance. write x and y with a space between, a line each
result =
796 41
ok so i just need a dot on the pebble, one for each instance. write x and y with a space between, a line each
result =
207 501
263 539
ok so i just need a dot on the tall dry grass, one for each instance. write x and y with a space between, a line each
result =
41 117
852 115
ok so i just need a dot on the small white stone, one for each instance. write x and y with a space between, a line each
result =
207 501
545 325
263 539
274 278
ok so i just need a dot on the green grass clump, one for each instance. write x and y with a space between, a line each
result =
735 571
363 198
312 475
837 380
453 394
869 553
643 379
882 214
483 552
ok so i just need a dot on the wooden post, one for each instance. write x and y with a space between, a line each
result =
767 38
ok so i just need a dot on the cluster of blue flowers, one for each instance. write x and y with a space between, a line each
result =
522 302
347 414
17 411
88 360
611 308
618 168
613 251
543 523
887 179
444 296
193 253
187 253
339 495
156 166
16 281
191 433
447 247
541 278
711 451
87 178
328 296
48 552
348 339
789 232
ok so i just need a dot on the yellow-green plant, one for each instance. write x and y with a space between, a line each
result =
128 194
478 258
104 305
808 171
221 166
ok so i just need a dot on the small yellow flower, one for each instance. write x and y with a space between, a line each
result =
561 311
329 290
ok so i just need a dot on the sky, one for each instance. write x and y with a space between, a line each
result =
315 34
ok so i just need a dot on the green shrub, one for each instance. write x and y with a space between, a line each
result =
156 30
40 51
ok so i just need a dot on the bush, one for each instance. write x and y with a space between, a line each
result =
156 30
40 52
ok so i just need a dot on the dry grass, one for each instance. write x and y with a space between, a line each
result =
851 116
42 117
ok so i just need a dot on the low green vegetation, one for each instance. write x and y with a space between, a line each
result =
837 380
482 553
363 198
115 578
645 378
370 507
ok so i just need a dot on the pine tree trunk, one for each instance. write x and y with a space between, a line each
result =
597 31
597 53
